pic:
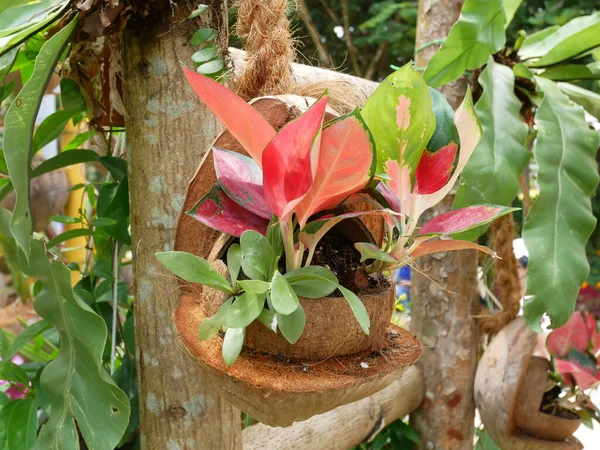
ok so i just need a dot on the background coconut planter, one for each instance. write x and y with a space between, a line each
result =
293 318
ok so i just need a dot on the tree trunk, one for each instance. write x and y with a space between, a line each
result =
444 301
168 131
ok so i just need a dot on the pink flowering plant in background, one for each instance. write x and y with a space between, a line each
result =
575 348
402 153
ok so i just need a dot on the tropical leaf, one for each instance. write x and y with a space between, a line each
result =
20 419
538 36
21 19
257 255
290 160
245 124
292 325
510 8
462 219
284 299
491 175
575 37
244 310
232 344
346 162
312 281
447 245
445 131
241 179
400 117
18 131
218 211
588 99
573 72
372 251
194 269
575 334
561 219
434 169
78 388
477 34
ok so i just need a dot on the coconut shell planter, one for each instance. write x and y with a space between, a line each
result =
511 410
287 234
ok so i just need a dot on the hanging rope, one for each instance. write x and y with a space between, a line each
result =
507 277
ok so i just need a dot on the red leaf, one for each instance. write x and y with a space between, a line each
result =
596 344
250 128
583 378
290 160
218 211
463 219
389 196
434 169
575 334
346 158
447 245
241 179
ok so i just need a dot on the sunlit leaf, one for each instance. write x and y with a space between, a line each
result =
257 255
244 310
232 344
447 245
463 219
194 269
284 299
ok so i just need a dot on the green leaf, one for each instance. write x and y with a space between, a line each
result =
400 117
210 326
65 219
20 419
77 232
116 166
13 373
359 310
104 222
312 281
234 262
257 255
6 62
199 10
491 175
254 286
210 67
561 219
267 318
244 310
18 130
29 333
3 345
538 36
510 8
232 344
275 240
292 325
64 159
573 72
194 269
70 95
588 99
284 299
477 34
203 35
52 127
77 385
36 22
206 54
575 37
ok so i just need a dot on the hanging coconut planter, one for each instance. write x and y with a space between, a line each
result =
333 363
509 387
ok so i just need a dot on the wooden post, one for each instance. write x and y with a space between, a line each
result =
168 131
443 302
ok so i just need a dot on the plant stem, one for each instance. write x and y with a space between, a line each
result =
287 236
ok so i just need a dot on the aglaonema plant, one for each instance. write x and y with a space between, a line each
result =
279 199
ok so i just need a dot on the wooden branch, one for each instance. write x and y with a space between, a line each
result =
330 13
346 426
324 57
348 39
381 49
306 74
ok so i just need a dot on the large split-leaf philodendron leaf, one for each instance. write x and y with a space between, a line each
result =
574 38
492 173
400 117
18 131
561 219
80 392
477 34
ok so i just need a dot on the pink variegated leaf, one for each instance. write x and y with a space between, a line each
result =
583 377
245 124
218 211
596 344
575 334
389 197
372 251
290 161
447 245
470 133
346 161
398 183
434 169
314 231
242 180
463 219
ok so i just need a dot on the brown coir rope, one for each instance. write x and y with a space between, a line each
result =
264 27
507 277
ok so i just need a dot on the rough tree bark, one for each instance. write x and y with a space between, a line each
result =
168 130
442 310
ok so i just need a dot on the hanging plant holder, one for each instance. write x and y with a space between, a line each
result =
509 387
333 363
